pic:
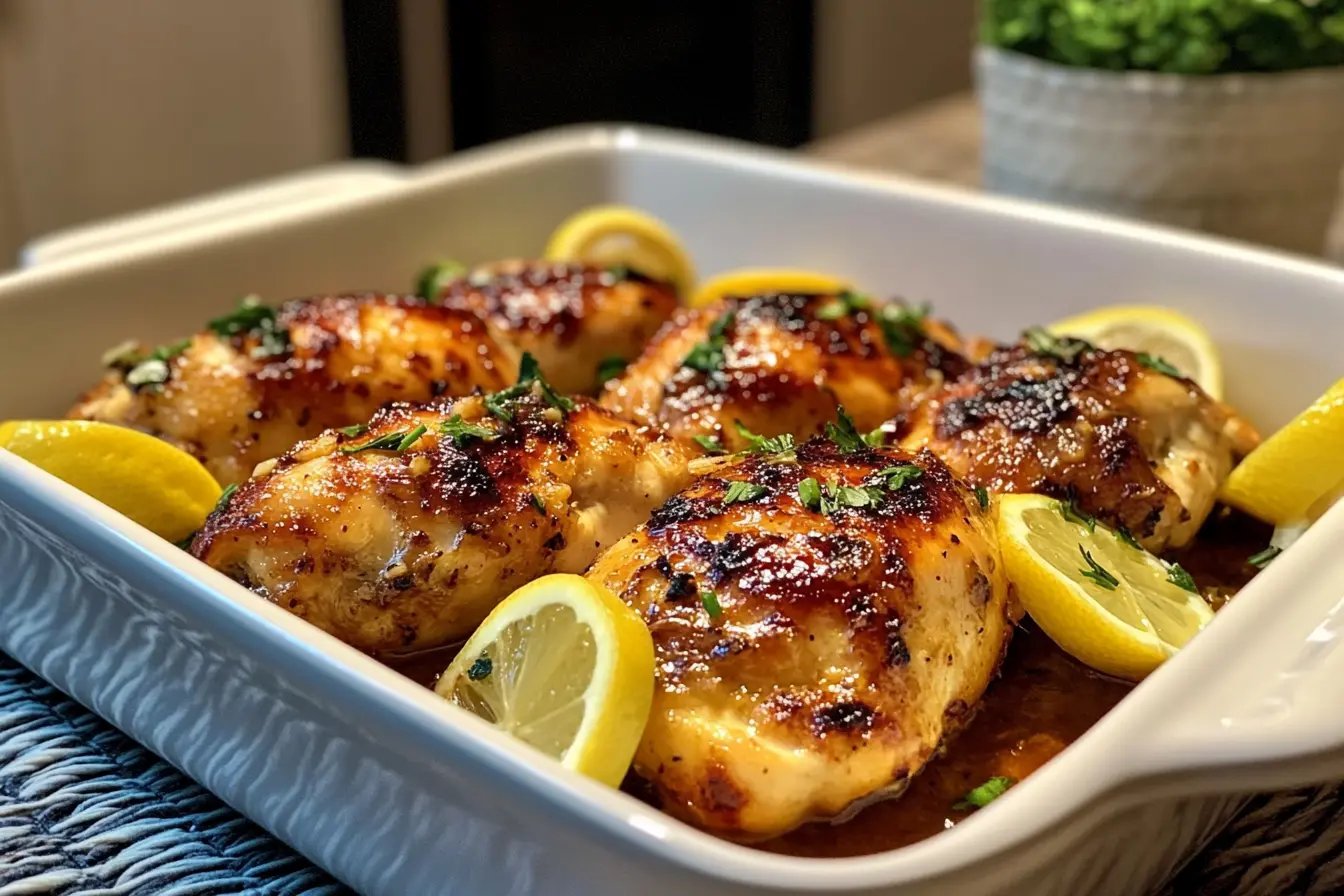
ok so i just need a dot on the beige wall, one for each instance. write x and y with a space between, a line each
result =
878 57
109 106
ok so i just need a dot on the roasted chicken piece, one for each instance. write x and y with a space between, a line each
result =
1128 443
261 379
781 364
404 536
571 317
821 620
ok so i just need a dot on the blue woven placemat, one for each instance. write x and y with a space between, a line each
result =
86 810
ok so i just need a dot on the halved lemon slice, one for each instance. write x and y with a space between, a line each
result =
617 236
1160 333
562 664
161 487
757 281
1297 473
1108 603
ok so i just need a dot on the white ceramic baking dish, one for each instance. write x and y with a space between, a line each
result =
395 792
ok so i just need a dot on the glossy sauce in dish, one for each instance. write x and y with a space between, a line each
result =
1042 702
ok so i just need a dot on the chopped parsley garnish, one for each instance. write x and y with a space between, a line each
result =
144 370
710 601
397 440
253 318
618 272
480 669
902 327
986 793
1180 578
185 544
1265 557
765 445
852 496
1128 538
831 497
434 278
248 316
982 497
708 356
875 439
1158 363
742 492
899 474
1097 573
536 503
844 433
354 431
225 497
1063 348
151 372
529 374
809 493
609 368
461 432
843 305
1069 510
123 355
711 444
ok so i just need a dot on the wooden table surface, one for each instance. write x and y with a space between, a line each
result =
941 141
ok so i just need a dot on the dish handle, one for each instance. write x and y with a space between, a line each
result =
1270 715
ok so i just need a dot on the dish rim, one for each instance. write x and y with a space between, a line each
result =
1067 790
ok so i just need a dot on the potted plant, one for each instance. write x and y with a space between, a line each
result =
1221 115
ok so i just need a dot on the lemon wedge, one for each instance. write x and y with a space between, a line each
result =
758 281
1158 332
1109 604
617 236
160 487
563 665
1298 472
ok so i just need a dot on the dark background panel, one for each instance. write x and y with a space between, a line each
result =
739 69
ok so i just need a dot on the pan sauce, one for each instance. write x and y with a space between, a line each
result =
1042 702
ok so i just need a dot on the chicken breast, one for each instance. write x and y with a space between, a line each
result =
822 621
404 536
1128 443
572 318
781 364
262 379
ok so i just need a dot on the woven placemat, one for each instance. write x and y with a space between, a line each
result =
85 810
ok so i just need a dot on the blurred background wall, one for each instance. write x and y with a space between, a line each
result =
109 107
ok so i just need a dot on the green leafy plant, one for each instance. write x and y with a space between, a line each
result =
1188 37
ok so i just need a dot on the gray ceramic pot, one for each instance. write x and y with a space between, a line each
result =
1255 157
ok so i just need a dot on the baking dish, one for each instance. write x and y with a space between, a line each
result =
394 791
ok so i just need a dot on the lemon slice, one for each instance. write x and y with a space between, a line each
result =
562 665
1298 472
160 487
1122 612
617 236
1159 332
758 281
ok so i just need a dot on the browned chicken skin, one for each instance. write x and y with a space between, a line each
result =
570 317
1131 445
325 361
783 365
393 550
808 660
